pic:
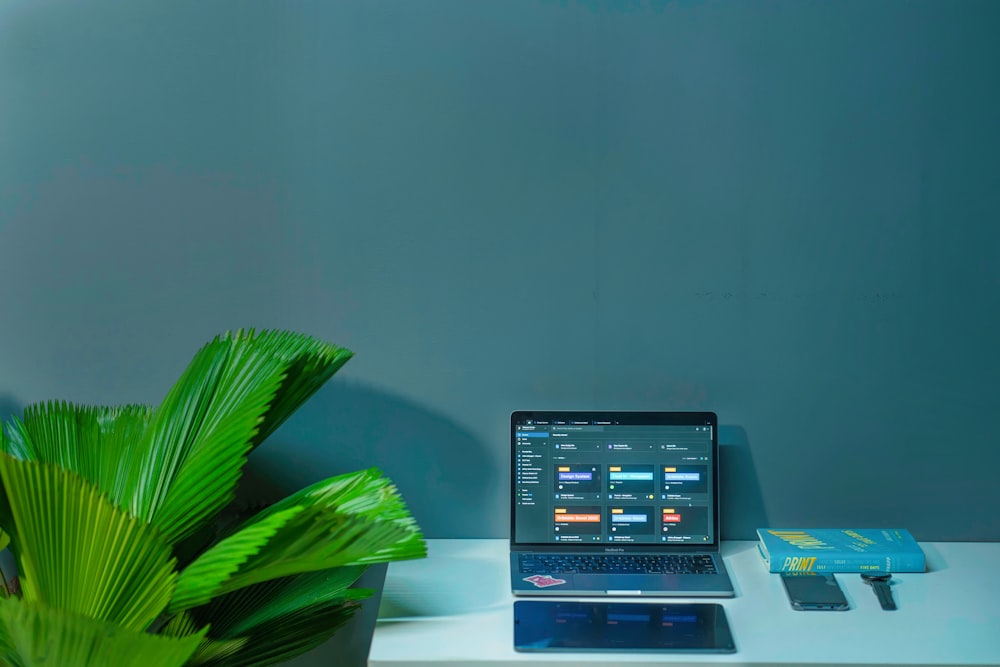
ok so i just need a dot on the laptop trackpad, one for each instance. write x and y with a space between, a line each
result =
622 584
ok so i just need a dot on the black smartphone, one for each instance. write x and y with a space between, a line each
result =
814 591
548 625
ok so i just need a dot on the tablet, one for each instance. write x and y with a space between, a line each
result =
548 625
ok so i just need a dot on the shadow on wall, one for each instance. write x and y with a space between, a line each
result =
740 499
443 472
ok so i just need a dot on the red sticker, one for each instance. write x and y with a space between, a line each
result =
544 581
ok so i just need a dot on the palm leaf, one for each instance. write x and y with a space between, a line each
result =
97 442
232 395
207 418
250 608
235 392
5 518
211 652
281 618
310 363
33 634
6 584
283 639
95 500
353 519
78 552
181 625
184 625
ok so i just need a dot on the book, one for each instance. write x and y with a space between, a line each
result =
840 550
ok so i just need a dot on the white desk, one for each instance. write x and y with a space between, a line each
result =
455 607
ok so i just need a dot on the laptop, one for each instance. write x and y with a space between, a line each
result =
615 503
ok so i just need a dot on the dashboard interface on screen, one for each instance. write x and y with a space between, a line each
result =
608 481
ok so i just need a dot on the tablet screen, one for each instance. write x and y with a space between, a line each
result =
548 625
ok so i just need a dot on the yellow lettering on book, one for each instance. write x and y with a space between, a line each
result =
800 539
798 563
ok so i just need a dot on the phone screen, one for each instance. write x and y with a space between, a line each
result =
544 625
814 592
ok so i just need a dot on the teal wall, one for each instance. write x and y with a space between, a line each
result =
786 212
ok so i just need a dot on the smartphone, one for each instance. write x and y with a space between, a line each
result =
814 591
549 625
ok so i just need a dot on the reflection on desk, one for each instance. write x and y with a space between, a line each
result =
456 607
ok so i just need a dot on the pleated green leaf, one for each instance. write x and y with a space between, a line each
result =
232 395
78 552
310 363
181 625
283 639
281 618
205 577
97 503
35 635
236 391
98 442
207 418
185 625
5 518
211 652
249 609
353 519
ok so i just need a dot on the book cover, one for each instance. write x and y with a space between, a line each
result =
840 550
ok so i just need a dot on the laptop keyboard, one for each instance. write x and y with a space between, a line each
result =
617 564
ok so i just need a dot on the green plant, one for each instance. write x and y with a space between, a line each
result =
126 552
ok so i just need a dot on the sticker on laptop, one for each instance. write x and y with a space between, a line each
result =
544 581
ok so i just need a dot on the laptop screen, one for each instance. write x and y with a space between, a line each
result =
614 478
